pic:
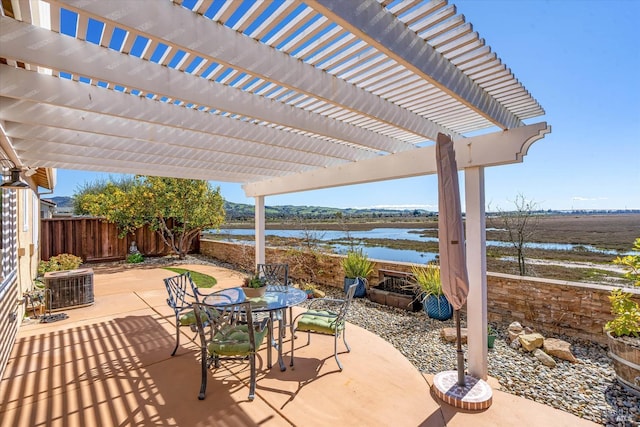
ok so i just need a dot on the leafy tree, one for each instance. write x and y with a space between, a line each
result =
520 225
124 183
178 209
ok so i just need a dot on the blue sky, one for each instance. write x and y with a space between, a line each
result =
580 60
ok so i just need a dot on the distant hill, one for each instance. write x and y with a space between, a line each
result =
245 212
240 211
61 201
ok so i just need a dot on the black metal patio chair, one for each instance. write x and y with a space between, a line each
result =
277 278
228 332
329 319
182 293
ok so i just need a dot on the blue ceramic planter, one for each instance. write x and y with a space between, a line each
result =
361 289
438 307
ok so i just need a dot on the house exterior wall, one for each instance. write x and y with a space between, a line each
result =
19 261
553 306
9 311
28 223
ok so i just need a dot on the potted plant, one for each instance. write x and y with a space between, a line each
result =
491 336
428 289
357 267
623 332
254 286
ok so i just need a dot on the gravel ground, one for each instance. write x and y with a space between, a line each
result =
587 389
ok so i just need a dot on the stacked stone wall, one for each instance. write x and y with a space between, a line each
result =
575 309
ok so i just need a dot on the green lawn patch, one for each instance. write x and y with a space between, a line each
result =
201 280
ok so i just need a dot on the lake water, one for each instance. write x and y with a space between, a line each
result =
382 253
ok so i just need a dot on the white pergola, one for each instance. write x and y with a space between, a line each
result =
280 96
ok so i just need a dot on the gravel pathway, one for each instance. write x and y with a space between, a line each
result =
587 389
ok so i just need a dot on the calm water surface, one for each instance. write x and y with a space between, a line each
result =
389 254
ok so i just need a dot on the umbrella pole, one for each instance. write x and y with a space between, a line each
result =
461 382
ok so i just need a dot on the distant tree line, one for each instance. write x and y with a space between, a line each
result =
245 212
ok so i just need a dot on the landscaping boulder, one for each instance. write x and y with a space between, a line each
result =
531 341
449 335
515 329
544 358
559 348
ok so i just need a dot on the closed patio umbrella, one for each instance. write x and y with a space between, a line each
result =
453 265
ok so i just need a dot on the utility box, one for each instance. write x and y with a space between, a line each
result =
69 288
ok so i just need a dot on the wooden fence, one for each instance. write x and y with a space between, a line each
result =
94 240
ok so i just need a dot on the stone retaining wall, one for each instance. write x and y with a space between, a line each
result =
574 309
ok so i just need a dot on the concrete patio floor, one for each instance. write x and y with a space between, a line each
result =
109 365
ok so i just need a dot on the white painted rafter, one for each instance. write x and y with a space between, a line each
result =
242 53
92 61
381 29
37 88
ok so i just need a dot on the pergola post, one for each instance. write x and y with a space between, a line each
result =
259 223
477 269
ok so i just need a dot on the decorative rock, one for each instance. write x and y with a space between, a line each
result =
531 341
449 334
544 358
515 344
515 329
558 348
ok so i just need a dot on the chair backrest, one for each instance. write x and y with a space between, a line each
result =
182 291
217 320
276 275
342 313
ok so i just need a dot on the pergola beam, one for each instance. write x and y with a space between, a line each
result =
492 149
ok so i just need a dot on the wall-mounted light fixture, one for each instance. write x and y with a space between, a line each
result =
15 182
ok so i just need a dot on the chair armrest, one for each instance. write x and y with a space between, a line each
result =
259 327
199 293
325 300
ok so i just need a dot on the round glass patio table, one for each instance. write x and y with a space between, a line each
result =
273 302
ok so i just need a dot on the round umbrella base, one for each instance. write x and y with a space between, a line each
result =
475 395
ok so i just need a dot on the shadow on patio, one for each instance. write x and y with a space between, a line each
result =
110 365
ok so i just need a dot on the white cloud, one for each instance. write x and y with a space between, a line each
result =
588 199
399 207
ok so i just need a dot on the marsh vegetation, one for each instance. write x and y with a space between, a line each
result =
610 234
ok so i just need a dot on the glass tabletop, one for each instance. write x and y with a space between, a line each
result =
273 299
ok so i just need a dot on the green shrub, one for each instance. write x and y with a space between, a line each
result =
59 263
626 321
135 258
627 315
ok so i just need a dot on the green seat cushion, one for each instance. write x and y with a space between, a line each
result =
319 321
234 341
189 317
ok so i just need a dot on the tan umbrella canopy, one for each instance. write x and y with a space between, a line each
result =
453 264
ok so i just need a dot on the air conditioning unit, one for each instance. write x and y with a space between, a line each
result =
69 288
